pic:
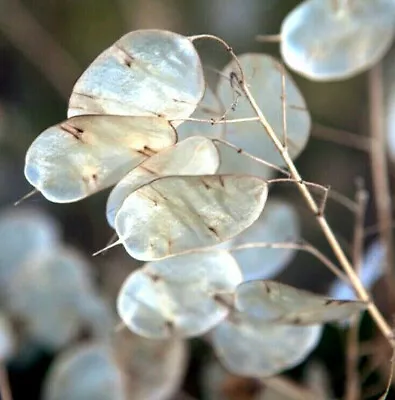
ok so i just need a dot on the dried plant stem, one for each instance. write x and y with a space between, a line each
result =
289 388
5 390
323 223
341 137
311 203
304 246
268 38
31 39
379 168
352 375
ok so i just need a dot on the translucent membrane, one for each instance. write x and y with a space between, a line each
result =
251 347
146 72
152 369
279 222
23 232
86 372
209 109
49 295
175 214
181 296
263 75
274 301
193 156
326 41
85 154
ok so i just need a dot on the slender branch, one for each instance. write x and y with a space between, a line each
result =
352 357
5 389
290 389
379 168
342 137
304 246
311 203
31 39
268 38
246 154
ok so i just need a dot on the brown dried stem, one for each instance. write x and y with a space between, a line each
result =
311 203
379 168
352 375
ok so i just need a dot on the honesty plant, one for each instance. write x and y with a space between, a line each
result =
192 208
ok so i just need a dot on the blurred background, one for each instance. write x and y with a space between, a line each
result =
46 44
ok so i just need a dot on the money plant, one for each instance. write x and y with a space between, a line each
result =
192 170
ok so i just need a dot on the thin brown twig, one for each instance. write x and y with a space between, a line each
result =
328 193
379 168
283 108
290 389
341 137
268 38
302 246
5 389
357 285
254 158
37 44
352 355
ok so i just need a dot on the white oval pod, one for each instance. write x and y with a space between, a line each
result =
279 222
152 369
209 108
86 154
24 232
263 77
174 214
193 156
325 41
86 372
47 294
274 301
180 296
146 72
254 348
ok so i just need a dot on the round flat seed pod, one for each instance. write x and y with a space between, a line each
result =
86 372
47 293
274 301
325 40
193 156
253 348
263 75
209 109
86 154
146 72
151 369
279 222
181 296
24 232
175 214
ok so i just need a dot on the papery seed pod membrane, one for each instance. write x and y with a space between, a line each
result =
86 154
325 40
181 296
175 214
192 156
263 76
145 73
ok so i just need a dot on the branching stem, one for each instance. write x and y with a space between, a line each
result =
311 203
